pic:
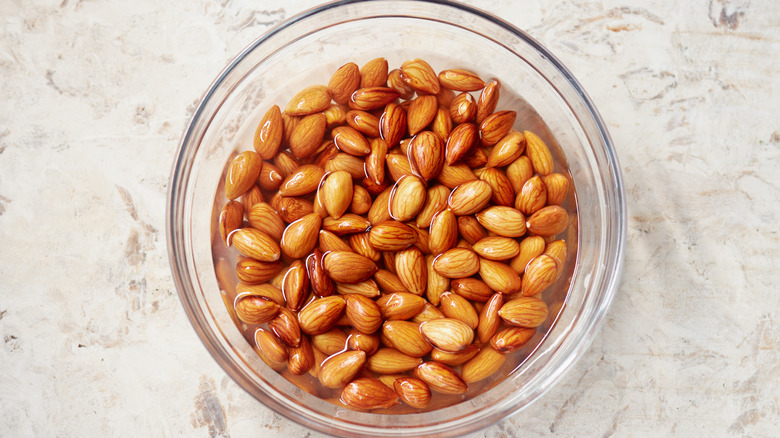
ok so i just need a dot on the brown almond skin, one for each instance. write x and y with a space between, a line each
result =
539 274
363 313
455 175
330 342
310 100
379 211
476 158
300 237
346 224
437 283
504 221
435 201
391 361
371 98
331 242
463 108
399 166
335 193
270 178
286 162
344 82
391 236
368 393
367 288
321 315
375 161
470 229
269 133
361 245
374 73
461 141
443 232
295 285
308 135
419 75
357 340
457 307
448 334
411 269
557 188
511 339
389 282
406 337
348 163
426 154
301 358
471 289
413 392
339 369
557 250
364 122
519 171
285 326
499 276
253 309
483 365
445 97
442 123
302 181
230 219
255 244
489 319
270 345
266 290
251 197
350 140
428 313
441 378
460 80
497 248
361 201
548 221
508 149
291 209
532 197
348 267
496 126
319 281
253 271
503 193
407 198
396 82
454 359
421 112
527 312
393 124
470 197
457 263
242 173
538 153
488 99
400 305
530 247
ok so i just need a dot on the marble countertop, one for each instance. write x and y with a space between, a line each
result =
94 98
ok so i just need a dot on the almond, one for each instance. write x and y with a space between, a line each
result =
286 162
454 359
319 358
335 194
360 243
443 232
499 276
548 221
460 80
374 73
321 315
350 140
301 358
330 342
428 313
504 221
368 393
435 201
426 155
308 135
470 197
292 209
348 163
400 305
407 198
530 247
437 283
405 336
448 334
445 97
483 365
251 197
270 177
302 181
557 188
538 153
331 242
488 318
475 158
339 369
371 98
557 250
335 115
411 270
511 339
285 327
391 236
290 123
396 82
389 282
457 263
267 291
503 193
507 150
295 285
461 141
496 126
363 313
471 289
457 307
346 224
393 123
375 161
540 273
440 378
419 75
363 341
463 108
379 211
372 188
344 82
255 244
361 200
470 229
230 219
519 171
269 133
421 112
364 122
367 288
253 271
413 392
391 361
497 248
310 100
348 267
454 175
270 345
532 197
242 173
488 100
442 123
300 237
399 166
527 312
253 309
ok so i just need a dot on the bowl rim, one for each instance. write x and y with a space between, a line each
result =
180 173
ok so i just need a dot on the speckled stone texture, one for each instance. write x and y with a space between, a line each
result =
95 95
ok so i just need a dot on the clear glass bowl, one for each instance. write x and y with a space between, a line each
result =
306 49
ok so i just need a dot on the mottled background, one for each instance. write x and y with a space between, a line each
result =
94 96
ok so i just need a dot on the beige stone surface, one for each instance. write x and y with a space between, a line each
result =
94 96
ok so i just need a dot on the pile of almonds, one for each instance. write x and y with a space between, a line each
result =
396 234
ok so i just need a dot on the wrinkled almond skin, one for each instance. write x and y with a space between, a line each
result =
538 153
435 201
399 166
405 336
371 98
300 237
470 197
367 288
301 358
357 340
253 309
457 307
452 176
503 193
368 393
330 342
419 75
321 315
448 334
331 242
426 154
267 291
255 244
253 271
455 359
269 133
497 248
519 171
540 273
471 289
391 361
344 82
285 326
375 161
443 232
460 80
349 163
348 267
407 198
532 197
308 135
391 236
461 141
421 112
270 345
379 211
400 305
364 122
457 263
508 149
437 283
251 197
530 248
488 99
440 378
470 229
413 392
230 219
339 369
350 140
511 339
504 221
374 73
496 126
335 194
346 224
310 100
396 82
489 319
483 365
557 188
499 276
557 250
361 201
389 282
361 245
295 285
242 173
303 180
463 108
363 313
476 158
527 312
285 161
411 269
392 124
270 177
548 221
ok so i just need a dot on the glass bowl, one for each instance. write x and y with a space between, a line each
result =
306 49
